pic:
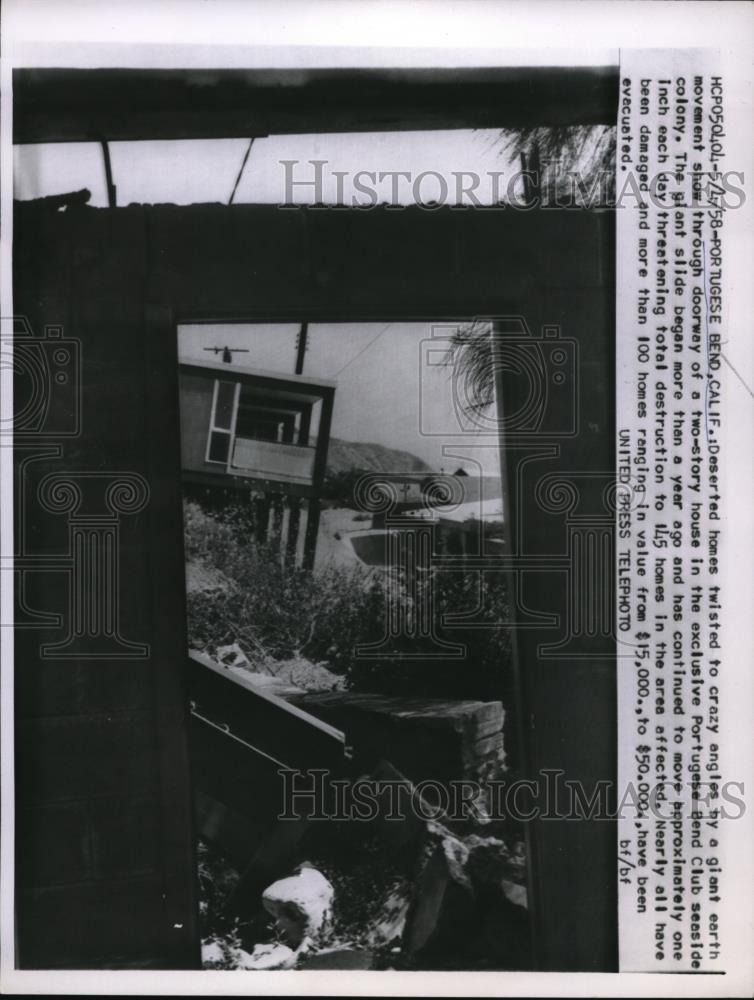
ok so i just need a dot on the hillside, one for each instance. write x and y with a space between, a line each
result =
362 455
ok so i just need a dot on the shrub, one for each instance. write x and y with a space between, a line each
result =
273 607
483 668
339 487
276 610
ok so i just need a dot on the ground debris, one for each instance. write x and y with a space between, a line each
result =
301 905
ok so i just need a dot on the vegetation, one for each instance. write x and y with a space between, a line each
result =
570 166
338 486
273 609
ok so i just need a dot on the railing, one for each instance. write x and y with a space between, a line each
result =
273 460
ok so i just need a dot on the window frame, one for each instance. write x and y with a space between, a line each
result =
213 429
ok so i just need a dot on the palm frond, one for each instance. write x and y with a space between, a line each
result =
575 164
574 167
471 360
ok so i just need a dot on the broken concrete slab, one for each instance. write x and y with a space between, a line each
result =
444 907
425 738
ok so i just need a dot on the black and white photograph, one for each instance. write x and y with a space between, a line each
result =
367 451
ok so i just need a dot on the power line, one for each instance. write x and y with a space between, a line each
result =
363 349
240 172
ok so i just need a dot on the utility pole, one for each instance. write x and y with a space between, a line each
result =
301 348
228 352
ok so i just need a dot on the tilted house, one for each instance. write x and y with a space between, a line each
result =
260 431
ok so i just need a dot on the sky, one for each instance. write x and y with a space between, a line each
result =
392 388
205 170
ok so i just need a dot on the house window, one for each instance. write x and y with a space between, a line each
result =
222 421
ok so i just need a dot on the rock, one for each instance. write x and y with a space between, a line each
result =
301 904
490 861
267 956
212 952
499 878
444 907
470 904
456 858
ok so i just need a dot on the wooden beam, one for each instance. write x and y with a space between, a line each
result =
78 105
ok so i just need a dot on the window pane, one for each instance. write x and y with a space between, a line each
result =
219 447
224 405
256 423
